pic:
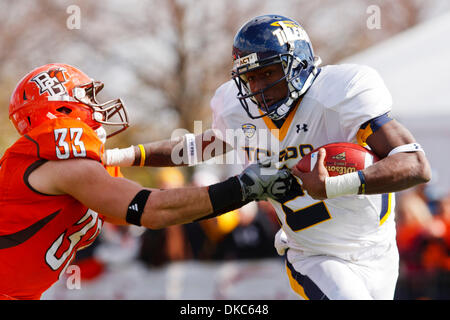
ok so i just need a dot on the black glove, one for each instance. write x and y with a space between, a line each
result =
260 181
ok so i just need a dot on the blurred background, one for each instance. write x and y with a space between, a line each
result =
165 58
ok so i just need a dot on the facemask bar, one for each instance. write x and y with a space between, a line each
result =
103 112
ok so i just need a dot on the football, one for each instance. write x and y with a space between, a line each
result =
341 158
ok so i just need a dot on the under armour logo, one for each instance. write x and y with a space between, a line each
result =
303 128
134 207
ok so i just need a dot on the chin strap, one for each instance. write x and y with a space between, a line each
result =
282 110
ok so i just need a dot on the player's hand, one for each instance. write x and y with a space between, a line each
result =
260 181
314 182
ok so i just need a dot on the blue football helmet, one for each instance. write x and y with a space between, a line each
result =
268 40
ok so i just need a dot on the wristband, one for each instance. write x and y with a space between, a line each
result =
191 149
346 184
362 179
142 162
225 196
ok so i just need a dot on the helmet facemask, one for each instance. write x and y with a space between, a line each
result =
291 68
110 113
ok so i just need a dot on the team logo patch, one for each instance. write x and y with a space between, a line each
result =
249 130
51 81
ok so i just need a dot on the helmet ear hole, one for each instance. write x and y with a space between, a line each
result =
64 110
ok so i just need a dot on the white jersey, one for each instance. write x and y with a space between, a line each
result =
339 101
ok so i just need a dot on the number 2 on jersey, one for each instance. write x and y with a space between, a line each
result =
64 148
304 217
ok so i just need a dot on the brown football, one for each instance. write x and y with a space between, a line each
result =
341 158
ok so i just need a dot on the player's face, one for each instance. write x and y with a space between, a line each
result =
262 78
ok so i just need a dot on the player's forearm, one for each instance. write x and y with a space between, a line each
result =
159 154
166 153
391 174
186 150
397 172
175 206
178 206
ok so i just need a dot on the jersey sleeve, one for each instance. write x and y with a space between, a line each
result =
66 138
222 104
114 171
371 126
217 105
365 97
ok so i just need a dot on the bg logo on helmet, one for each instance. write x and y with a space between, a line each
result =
51 81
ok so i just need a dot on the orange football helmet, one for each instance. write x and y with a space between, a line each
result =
60 90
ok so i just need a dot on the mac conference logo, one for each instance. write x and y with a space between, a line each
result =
249 130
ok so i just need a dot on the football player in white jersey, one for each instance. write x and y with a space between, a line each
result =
337 233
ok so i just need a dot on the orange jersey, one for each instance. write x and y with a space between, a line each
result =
39 233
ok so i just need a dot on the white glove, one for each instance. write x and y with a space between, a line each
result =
281 242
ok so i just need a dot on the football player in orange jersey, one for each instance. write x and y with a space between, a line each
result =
53 182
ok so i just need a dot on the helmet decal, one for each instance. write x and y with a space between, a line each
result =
251 60
51 81
289 32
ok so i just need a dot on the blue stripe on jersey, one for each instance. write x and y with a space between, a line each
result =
369 127
377 122
386 204
307 286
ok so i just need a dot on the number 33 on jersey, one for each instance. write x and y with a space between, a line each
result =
67 139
